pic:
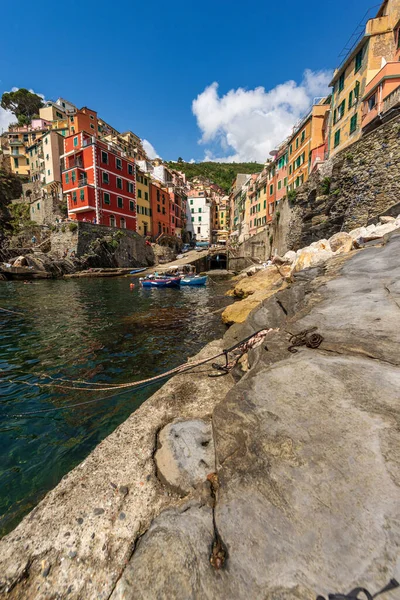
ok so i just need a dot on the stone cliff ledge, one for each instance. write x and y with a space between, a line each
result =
278 481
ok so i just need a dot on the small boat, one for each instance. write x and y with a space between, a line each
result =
134 271
161 282
194 280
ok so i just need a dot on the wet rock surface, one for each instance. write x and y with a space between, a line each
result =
305 496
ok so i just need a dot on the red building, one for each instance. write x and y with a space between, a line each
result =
160 209
98 182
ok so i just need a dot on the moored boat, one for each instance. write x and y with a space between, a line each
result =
161 282
194 280
134 271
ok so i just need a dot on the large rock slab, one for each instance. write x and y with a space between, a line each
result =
185 455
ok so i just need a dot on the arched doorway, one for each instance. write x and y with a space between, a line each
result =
218 261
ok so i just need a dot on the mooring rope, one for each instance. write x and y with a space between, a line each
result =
13 312
243 346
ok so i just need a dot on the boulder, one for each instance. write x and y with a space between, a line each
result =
386 219
262 280
290 257
311 257
321 245
239 311
358 233
186 454
20 261
385 228
341 242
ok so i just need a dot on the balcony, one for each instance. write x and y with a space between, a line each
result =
16 142
82 182
392 100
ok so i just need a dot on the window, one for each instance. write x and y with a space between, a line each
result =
129 187
358 61
122 223
146 195
46 141
92 117
398 39
118 164
47 157
106 178
82 194
119 183
265 204
131 205
112 221
48 172
192 219
145 181
341 83
285 182
371 102
75 141
158 208
290 169
279 184
38 205
139 193
74 196
199 219
192 210
337 138
130 169
290 149
71 119
163 210
120 202
340 110
199 230
303 136
356 91
265 189
66 177
353 123
91 126
297 143
59 115
350 99
73 176
106 198
104 158
199 208
271 190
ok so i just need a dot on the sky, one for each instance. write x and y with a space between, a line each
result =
211 80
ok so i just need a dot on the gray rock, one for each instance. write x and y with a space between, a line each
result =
186 454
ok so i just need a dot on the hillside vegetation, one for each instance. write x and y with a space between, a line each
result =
220 173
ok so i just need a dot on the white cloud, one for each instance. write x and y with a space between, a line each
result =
192 161
149 149
246 125
6 117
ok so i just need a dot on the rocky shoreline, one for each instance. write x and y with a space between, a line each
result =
279 480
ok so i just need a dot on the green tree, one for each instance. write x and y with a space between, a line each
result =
180 160
23 104
10 188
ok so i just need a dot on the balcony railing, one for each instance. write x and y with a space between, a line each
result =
82 182
392 99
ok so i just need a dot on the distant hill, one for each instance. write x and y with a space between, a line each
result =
220 173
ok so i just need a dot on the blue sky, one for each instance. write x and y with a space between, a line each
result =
142 64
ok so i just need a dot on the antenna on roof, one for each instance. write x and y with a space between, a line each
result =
357 34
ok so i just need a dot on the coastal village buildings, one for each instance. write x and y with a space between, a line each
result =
99 184
143 203
351 81
160 205
199 215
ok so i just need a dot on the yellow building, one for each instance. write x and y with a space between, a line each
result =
143 210
20 138
377 45
258 206
306 139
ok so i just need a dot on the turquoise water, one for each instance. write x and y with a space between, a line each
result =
92 329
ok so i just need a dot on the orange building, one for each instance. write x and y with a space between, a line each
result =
160 209
382 94
84 120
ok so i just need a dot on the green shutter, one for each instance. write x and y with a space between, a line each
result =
350 99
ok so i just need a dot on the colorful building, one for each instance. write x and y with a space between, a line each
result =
20 138
307 136
99 184
378 45
199 216
143 203
160 205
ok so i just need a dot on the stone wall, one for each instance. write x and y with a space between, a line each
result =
101 246
363 181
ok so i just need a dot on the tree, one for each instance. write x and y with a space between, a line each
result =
180 160
23 103
10 188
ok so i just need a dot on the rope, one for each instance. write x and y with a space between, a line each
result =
354 594
13 312
305 338
243 346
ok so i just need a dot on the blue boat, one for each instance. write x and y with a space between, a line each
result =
161 282
194 280
134 271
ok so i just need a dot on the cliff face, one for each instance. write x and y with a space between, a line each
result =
280 480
